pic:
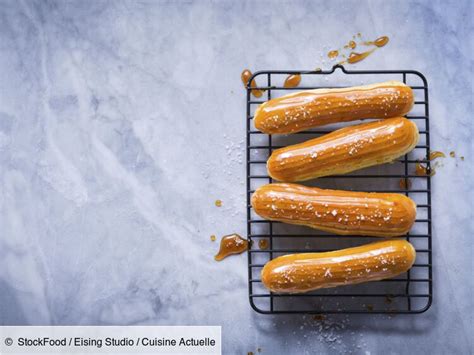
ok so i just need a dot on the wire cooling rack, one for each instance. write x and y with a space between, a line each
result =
411 292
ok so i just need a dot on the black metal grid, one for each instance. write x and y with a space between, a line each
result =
407 293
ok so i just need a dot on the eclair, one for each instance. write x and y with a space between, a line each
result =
305 272
344 150
312 108
336 211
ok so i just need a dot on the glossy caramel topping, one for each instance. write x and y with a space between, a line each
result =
434 155
405 184
333 54
292 81
304 272
336 211
298 111
245 76
263 244
218 203
344 150
231 244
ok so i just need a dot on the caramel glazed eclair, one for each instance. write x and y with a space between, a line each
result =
306 109
344 150
304 272
336 211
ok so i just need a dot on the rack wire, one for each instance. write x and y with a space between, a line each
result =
408 293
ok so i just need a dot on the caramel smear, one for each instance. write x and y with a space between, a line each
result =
333 54
231 244
245 76
436 154
357 57
379 42
452 154
218 203
405 184
263 244
292 81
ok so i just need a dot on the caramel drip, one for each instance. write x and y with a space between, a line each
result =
452 154
245 76
423 170
292 81
405 184
213 238
263 244
218 203
231 244
434 155
333 54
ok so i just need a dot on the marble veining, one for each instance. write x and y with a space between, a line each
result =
121 122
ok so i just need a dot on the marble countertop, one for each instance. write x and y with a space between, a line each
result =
121 122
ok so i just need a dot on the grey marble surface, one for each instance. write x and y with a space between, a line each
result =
120 124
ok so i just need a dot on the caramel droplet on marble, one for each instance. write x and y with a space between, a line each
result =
333 54
351 45
231 244
436 154
218 203
381 41
292 81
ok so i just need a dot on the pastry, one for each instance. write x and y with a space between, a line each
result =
304 272
344 150
306 109
336 211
